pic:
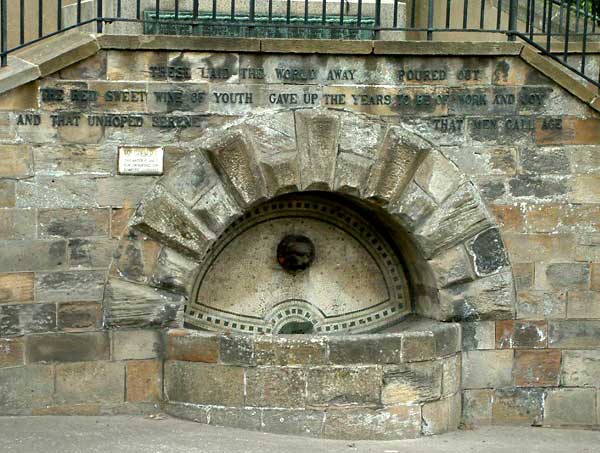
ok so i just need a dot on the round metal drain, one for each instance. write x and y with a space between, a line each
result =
296 260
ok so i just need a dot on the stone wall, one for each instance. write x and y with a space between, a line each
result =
528 140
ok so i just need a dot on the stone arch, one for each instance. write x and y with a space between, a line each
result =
461 266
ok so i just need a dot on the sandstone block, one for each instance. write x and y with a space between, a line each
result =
25 387
17 224
537 368
413 207
477 406
65 192
365 349
542 304
452 266
275 387
136 257
523 274
90 382
28 318
17 161
521 334
290 350
438 176
487 369
71 223
538 187
79 315
418 346
583 304
7 193
16 287
574 334
397 422
90 253
488 252
580 369
565 275
237 350
570 406
293 422
135 344
122 191
243 418
478 335
68 286
11 352
343 386
411 383
67 347
221 385
527 248
573 131
544 161
192 347
442 415
144 380
118 220
451 375
518 406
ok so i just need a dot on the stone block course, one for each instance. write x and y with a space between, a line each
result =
68 286
19 224
71 223
75 316
478 335
477 406
27 256
583 304
11 352
196 347
17 161
289 422
574 334
487 369
411 383
516 406
276 387
20 319
25 387
542 304
580 369
290 350
364 349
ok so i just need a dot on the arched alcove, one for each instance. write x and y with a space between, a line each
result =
454 256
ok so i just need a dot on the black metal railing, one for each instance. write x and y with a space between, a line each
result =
566 30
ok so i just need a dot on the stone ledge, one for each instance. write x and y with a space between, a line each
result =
17 73
564 77
445 48
322 46
169 42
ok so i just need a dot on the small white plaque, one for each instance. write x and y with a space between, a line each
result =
134 160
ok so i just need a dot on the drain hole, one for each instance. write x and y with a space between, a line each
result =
296 328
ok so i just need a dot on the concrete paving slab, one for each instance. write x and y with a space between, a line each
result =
168 435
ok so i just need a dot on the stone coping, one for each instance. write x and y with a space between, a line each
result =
53 54
411 340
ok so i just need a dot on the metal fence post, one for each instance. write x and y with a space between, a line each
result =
3 33
377 18
512 19
99 16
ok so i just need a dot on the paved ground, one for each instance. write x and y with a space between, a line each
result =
138 434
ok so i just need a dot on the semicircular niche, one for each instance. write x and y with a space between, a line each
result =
300 264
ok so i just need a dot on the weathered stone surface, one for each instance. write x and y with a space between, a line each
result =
217 208
488 252
65 192
17 224
7 193
144 381
28 318
351 173
451 266
461 216
90 382
411 383
221 385
508 218
165 219
17 73
538 187
237 350
364 349
537 368
72 347
78 315
583 304
25 387
518 406
418 346
317 137
566 275
290 350
243 418
17 161
527 248
16 287
521 334
293 422
575 334
122 191
477 407
413 207
486 298
438 176
136 257
130 304
451 375
487 369
397 422
478 335
190 346
135 344
544 161
399 158
11 352
69 286
90 253
580 369
275 387
442 415
570 406
190 178
233 157
343 386
70 223
541 304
